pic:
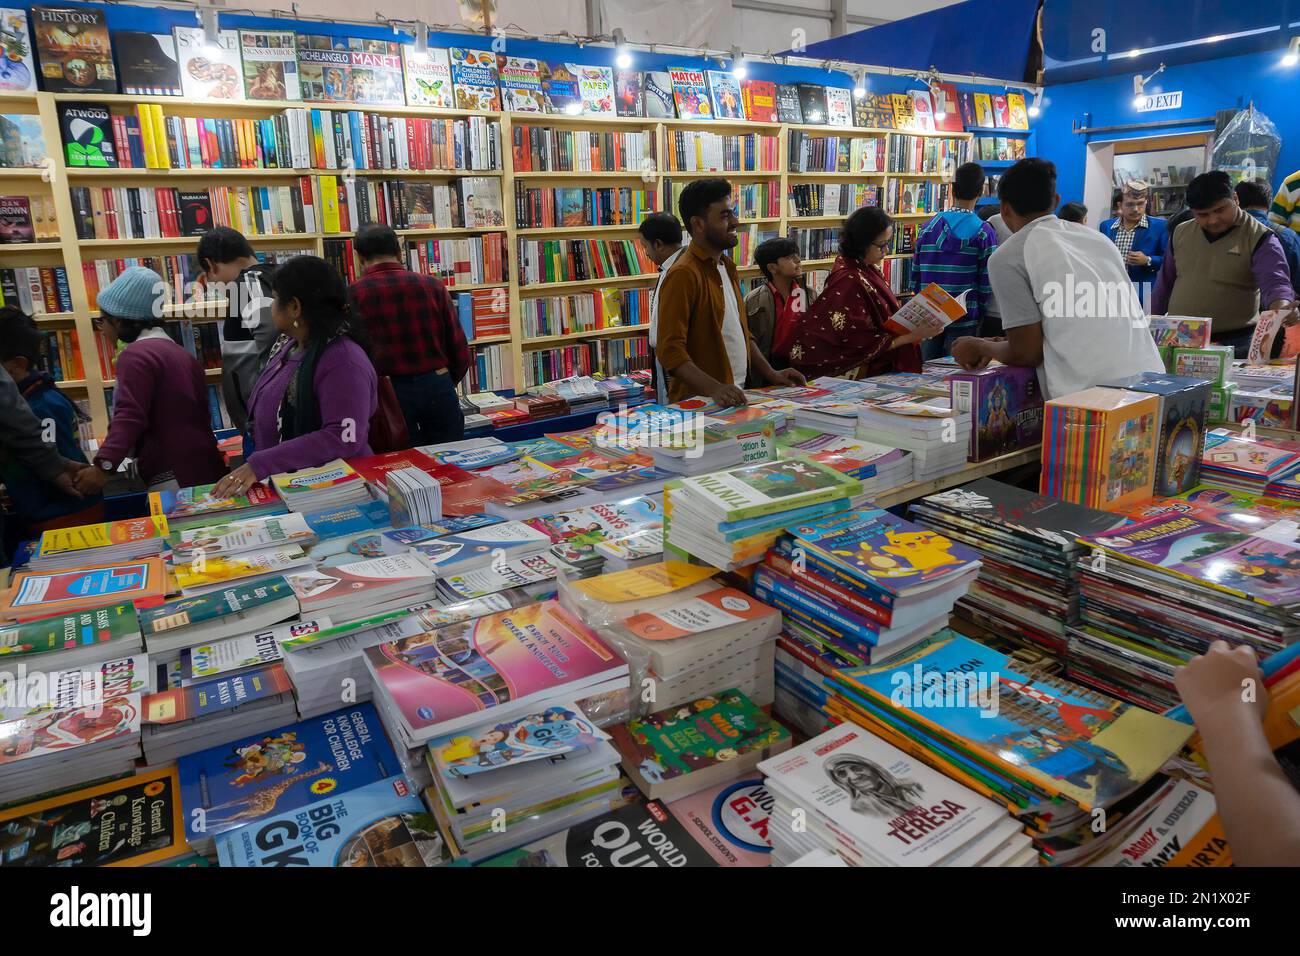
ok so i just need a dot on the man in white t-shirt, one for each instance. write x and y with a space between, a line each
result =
1068 307
700 337
660 235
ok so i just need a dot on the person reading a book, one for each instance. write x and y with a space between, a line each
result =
660 235
40 505
1140 239
1223 263
952 251
248 333
844 333
315 398
702 341
415 336
1258 805
161 413
775 308
1068 307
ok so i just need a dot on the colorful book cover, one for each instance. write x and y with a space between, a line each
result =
691 93
22 141
474 78
678 741
270 59
236 600
36 594
51 733
382 824
480 200
730 821
498 576
234 537
203 572
17 68
724 89
454 553
839 106
247 781
812 102
904 112
1179 332
376 72
99 627
788 109
575 534
146 63
332 474
375 468
1001 113
196 502
204 661
596 87
352 582
922 111
560 88
769 487
759 99
873 111
521 85
947 108
1017 114
984 111
1184 406
208 72
508 657
629 93
1019 511
215 695
135 821
75 52
83 685
1005 405
967 101
428 77
87 132
659 102
324 68
1077 743
66 541
559 729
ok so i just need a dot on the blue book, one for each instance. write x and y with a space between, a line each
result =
353 519
465 312
248 781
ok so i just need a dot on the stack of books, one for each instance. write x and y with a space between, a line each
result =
354 589
194 506
1242 464
1028 588
937 437
534 573
414 497
500 784
472 453
65 641
127 540
198 573
338 528
334 484
539 407
731 518
171 627
33 595
580 393
225 538
876 805
631 528
879 467
1099 447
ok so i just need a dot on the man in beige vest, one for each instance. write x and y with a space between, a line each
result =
1224 264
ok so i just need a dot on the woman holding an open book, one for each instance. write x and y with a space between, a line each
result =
314 400
844 332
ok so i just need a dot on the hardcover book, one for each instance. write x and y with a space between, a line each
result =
428 77
207 72
22 142
596 86
87 131
521 85
874 111
376 72
984 111
759 98
1019 116
787 104
1184 406
904 111
75 52
659 102
726 95
324 68
480 201
839 106
474 78
922 111
1001 113
560 88
270 59
146 63
629 94
947 108
17 68
812 102
691 93
1005 405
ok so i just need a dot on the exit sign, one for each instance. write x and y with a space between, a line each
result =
1152 102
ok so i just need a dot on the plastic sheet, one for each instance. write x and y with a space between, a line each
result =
1247 148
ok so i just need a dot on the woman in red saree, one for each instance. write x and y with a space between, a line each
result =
844 332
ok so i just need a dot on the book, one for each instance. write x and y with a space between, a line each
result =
191 506
324 68
87 132
16 220
17 68
68 640
428 77
74 49
629 93
480 201
596 87
767 488
984 111
35 594
209 72
270 60
691 93
199 573
349 586
146 63
1016 112
521 85
788 109
375 72
474 78
904 111
233 655
724 90
1005 405
812 103
211 697
238 609
22 142
1099 447
678 751
196 212
659 102
382 824
558 729
932 306
1184 407
126 538
947 108
922 111
1001 112
730 820
560 88
839 106
759 100
874 111
135 821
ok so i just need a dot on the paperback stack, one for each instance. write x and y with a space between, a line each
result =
337 528
356 589
1099 447
632 528
540 407
937 437
36 594
334 484
414 497
534 573
878 467
580 393
1028 588
1244 464
194 506
68 641
128 540
731 518
1160 592
502 783
875 805
201 573
169 628
471 453
226 538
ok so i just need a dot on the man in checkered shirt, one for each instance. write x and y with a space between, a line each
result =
1141 239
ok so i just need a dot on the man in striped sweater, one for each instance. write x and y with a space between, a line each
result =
953 251
1285 210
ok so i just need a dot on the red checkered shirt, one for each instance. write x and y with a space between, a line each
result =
411 322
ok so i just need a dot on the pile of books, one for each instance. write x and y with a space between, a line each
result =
334 484
937 437
414 497
175 625
624 532
878 467
338 529
1099 447
198 573
33 595
1028 587
534 408
1245 464
354 589
195 506
580 393
731 518
127 540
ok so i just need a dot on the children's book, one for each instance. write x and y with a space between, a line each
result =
659 102
521 85
759 99
1019 116
768 488
596 87
1001 112
428 77
730 820
557 729
984 111
1005 405
474 78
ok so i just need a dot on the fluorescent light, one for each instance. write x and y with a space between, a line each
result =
1292 55
860 84
1036 106
421 37
738 68
211 30
622 52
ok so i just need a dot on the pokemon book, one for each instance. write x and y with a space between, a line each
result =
247 781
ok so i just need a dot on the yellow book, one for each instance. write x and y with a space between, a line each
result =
160 129
146 134
329 201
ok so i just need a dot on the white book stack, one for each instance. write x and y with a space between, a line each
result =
414 497
938 439
357 589
201 574
715 456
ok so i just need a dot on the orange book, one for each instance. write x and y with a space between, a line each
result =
37 594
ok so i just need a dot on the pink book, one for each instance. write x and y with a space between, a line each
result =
729 821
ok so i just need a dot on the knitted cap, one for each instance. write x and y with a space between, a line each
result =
132 294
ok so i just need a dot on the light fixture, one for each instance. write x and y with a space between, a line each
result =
1134 54
1036 106
1292 55
738 68
1139 86
421 38
211 30
574 108
860 84
622 52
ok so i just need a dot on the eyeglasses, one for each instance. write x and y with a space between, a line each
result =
882 246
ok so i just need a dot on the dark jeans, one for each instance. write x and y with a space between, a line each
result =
1240 340
941 345
431 408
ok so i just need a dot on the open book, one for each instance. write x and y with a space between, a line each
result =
932 309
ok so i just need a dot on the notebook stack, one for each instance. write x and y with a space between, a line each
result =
937 437
354 589
729 519
1028 588
127 540
334 484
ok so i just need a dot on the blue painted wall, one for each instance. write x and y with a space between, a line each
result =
1208 86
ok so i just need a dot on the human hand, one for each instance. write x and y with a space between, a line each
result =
969 353
89 480
788 376
1220 682
236 483
726 396
1137 259
65 480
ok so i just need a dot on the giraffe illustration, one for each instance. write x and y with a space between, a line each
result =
261 802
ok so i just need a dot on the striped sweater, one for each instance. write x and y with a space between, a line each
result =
1285 210
953 250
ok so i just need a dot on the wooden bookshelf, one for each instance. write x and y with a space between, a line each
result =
70 252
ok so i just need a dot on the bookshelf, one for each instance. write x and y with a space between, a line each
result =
766 165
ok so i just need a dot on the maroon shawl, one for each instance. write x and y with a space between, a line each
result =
844 332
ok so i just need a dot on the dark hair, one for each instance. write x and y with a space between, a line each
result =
968 182
861 229
1029 187
986 211
770 250
222 245
128 330
1208 189
661 226
1073 212
698 196
376 239
320 291
18 336
1253 194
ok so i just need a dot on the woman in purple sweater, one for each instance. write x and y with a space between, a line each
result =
314 400
160 403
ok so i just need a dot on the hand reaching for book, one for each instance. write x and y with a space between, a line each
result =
1223 680
236 483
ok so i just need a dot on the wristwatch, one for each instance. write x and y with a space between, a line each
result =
103 464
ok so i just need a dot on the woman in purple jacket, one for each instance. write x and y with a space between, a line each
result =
314 400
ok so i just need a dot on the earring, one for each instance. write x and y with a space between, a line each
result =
295 323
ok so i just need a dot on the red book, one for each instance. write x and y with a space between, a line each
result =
375 468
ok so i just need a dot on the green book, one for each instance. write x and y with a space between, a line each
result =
239 609
768 488
72 639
